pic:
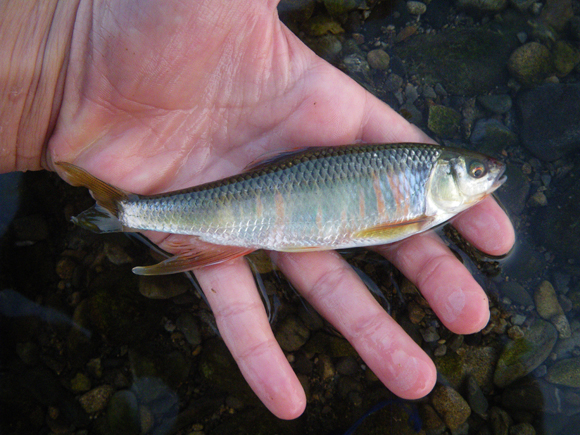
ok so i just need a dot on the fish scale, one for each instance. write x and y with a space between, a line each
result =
324 181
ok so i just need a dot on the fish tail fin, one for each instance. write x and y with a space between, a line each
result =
102 217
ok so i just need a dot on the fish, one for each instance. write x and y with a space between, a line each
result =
313 199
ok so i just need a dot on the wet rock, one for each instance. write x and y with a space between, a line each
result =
522 429
322 343
467 61
498 104
327 47
475 397
493 135
522 5
416 8
566 57
348 366
188 326
432 423
514 192
538 199
80 383
557 13
530 64
520 357
320 25
430 334
339 7
162 286
65 268
358 68
297 10
565 372
378 59
450 405
292 334
123 413
483 5
550 114
516 293
478 362
219 369
532 395
96 400
549 308
444 121
500 421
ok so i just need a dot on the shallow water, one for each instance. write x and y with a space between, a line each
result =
80 340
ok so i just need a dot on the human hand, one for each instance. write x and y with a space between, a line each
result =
160 96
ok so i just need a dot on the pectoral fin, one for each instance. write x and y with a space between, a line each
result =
392 232
194 258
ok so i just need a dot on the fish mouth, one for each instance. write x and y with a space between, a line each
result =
500 177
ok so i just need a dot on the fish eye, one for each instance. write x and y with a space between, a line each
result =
477 169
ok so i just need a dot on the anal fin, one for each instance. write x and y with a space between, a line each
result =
206 255
392 232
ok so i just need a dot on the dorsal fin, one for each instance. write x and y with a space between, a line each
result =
275 156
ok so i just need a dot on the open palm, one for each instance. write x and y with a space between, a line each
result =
162 95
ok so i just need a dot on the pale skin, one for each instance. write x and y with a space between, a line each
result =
153 96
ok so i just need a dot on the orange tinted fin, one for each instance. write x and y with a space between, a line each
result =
304 248
107 196
391 231
102 217
192 259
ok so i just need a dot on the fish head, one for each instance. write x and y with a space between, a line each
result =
461 178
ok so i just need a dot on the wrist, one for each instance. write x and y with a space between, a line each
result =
35 42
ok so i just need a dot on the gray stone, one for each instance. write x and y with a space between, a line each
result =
378 59
123 413
444 121
476 398
565 372
500 421
292 334
188 326
514 192
493 135
450 405
520 357
517 294
522 429
467 61
416 8
498 104
549 308
530 64
483 5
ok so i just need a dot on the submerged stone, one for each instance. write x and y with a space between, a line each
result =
465 61
522 356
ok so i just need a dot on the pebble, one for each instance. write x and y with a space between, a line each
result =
163 286
416 8
498 104
188 326
530 63
378 59
444 121
96 400
566 57
549 308
80 383
476 398
565 372
516 293
522 356
450 405
430 334
500 421
522 429
292 334
538 199
483 5
123 413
